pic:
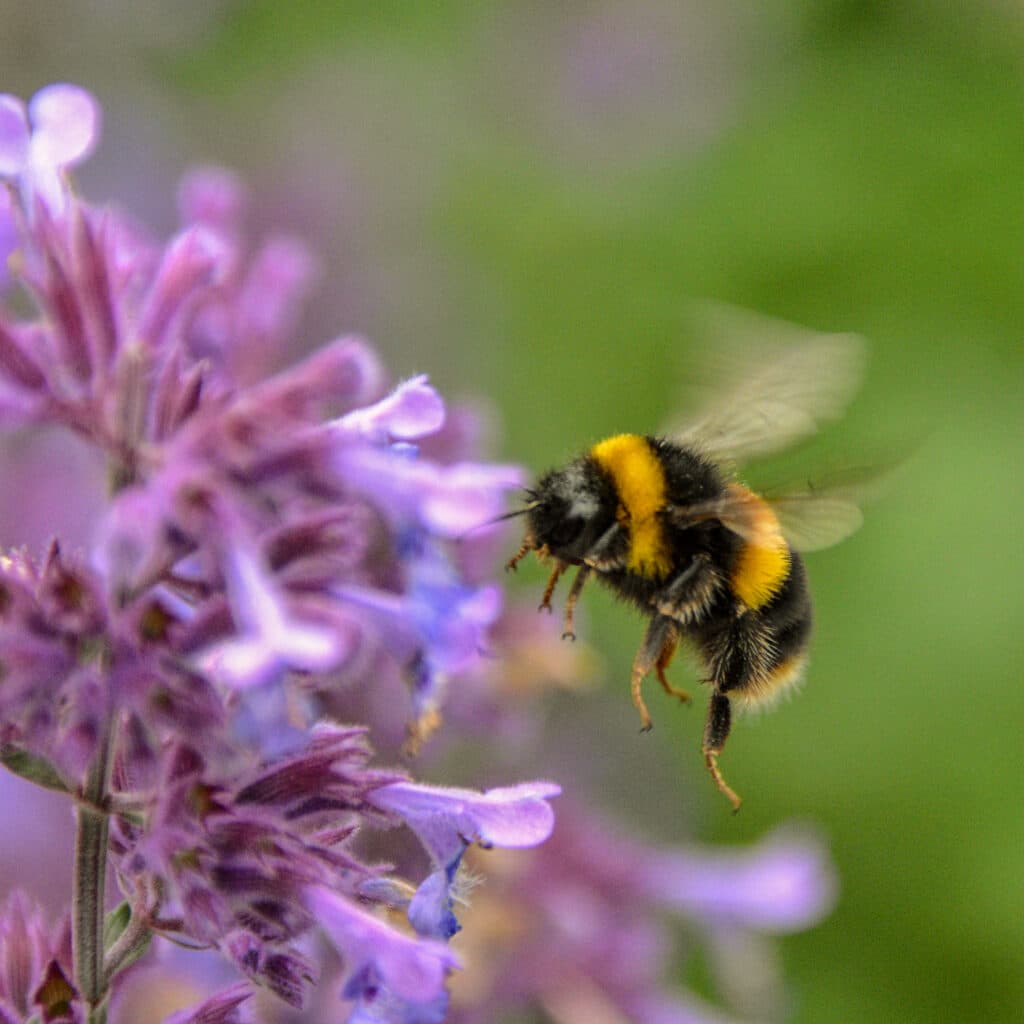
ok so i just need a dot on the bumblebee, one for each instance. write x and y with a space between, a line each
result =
664 523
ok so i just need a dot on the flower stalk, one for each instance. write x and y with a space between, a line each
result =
90 873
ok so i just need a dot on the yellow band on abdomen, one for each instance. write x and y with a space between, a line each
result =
640 484
762 565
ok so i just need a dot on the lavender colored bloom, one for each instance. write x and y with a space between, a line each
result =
58 129
414 409
782 884
213 196
257 303
447 500
52 701
232 864
245 564
378 956
35 966
448 819
580 927
282 552
269 640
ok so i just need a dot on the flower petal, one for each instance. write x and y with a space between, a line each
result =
65 124
14 135
446 819
430 909
413 969
214 197
785 883
414 409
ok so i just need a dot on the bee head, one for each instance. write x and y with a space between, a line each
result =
571 509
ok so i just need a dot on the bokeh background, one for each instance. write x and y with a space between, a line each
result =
524 199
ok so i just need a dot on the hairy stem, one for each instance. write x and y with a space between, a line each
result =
89 883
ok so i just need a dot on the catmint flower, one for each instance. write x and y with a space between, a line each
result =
232 863
448 820
385 966
257 303
781 884
413 410
57 130
35 966
269 640
580 926
264 533
288 572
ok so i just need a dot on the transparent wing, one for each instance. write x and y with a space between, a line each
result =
810 520
779 382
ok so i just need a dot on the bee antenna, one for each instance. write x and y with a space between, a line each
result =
514 514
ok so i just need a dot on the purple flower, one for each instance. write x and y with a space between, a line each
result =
236 858
58 129
391 977
414 409
581 924
269 640
444 499
35 966
257 303
782 884
52 704
281 552
448 819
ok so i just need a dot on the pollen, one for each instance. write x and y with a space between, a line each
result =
640 484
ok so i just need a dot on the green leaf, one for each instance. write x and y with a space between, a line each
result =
114 926
32 767
115 923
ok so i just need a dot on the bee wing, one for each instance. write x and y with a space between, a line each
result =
810 520
814 521
787 380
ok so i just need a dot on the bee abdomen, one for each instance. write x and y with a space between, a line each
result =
763 561
761 654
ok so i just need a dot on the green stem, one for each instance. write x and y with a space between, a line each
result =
89 884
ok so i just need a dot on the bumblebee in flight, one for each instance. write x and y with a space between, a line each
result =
665 525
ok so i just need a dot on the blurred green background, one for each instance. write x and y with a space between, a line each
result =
523 199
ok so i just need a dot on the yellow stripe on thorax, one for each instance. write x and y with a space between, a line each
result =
763 562
640 484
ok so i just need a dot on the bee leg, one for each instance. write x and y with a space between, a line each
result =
524 550
601 545
549 590
645 659
716 732
570 602
686 594
664 658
